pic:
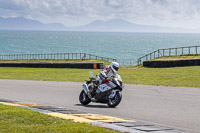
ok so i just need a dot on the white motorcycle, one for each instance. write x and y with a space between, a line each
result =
108 92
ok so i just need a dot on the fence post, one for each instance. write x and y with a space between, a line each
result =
176 51
84 57
189 50
154 54
163 52
182 50
196 50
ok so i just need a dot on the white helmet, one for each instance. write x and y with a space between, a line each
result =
114 66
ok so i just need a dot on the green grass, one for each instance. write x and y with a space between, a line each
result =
45 74
177 76
20 120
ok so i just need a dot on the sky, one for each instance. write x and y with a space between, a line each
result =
168 13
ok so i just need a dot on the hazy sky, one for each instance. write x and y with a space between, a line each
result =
171 13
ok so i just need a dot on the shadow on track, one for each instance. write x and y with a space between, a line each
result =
93 106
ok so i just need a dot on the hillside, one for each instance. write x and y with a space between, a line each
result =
21 23
113 25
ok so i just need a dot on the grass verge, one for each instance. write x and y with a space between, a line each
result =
177 76
20 120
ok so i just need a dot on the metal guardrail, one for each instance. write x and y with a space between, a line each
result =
190 50
75 56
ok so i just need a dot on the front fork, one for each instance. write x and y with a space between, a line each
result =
86 90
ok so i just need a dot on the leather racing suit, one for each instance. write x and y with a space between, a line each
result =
106 74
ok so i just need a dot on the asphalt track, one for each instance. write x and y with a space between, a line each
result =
173 107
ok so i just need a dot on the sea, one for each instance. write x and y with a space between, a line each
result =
106 44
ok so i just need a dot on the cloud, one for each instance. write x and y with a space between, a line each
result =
172 13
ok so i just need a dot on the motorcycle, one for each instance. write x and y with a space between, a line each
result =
108 92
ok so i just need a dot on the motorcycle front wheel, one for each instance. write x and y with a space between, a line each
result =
113 102
83 98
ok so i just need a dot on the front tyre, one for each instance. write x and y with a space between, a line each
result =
113 102
83 98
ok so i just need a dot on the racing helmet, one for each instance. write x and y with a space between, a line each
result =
114 66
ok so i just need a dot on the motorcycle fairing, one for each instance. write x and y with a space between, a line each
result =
106 86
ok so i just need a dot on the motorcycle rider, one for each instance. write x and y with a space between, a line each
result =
106 74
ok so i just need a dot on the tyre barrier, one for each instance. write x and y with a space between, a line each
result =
56 65
175 63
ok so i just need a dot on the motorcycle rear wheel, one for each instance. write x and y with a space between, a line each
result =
115 100
83 98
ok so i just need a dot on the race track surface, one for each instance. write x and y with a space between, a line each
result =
174 107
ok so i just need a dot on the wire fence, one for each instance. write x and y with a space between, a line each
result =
190 50
72 56
53 56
